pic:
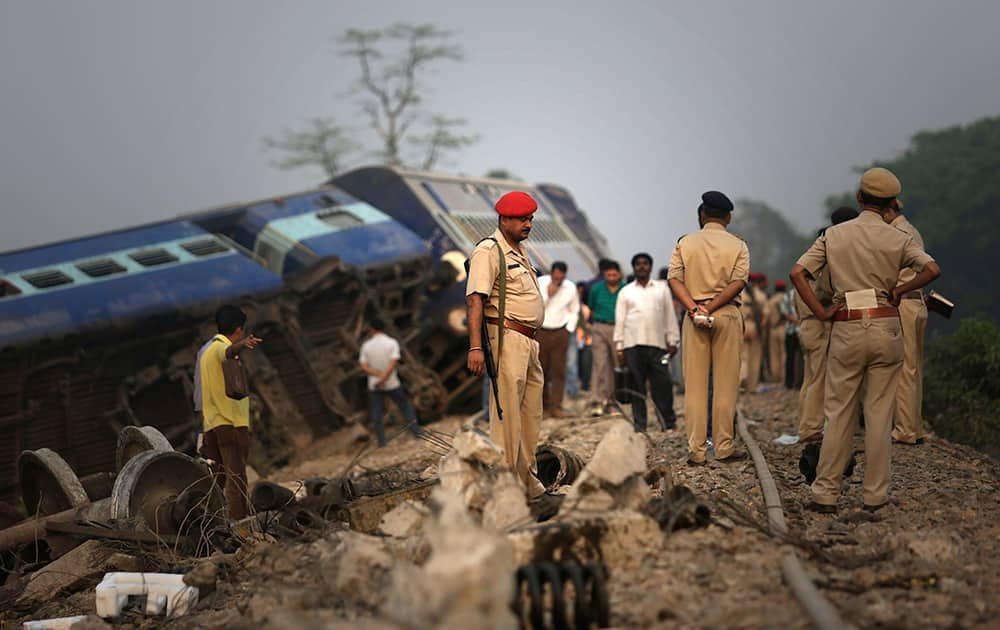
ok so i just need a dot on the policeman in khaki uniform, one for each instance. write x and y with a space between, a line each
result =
814 337
776 335
754 307
519 376
908 425
708 269
863 257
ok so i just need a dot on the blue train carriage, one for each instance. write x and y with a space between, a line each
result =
88 330
343 261
453 213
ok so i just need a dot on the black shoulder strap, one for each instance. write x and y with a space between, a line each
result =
502 307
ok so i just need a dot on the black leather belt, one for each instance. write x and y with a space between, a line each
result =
602 321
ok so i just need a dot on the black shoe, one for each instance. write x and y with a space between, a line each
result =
820 508
735 456
693 462
873 508
545 506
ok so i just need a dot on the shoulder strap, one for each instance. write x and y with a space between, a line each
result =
502 307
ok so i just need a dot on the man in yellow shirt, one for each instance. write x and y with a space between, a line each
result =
226 420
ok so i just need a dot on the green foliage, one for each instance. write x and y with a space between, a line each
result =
951 190
773 241
962 384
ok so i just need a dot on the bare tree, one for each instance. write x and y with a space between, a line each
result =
323 143
441 139
392 62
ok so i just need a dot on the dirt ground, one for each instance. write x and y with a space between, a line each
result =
930 559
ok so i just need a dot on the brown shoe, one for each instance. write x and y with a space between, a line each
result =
557 413
735 456
821 508
694 462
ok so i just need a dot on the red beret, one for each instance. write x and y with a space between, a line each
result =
755 276
516 204
780 284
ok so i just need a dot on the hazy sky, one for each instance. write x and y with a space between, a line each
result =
118 113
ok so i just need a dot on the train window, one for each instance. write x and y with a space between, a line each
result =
46 278
458 197
339 219
7 289
100 267
204 247
152 257
324 201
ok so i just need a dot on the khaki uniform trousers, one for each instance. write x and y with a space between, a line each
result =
602 379
519 384
716 349
776 353
865 358
814 336
752 355
908 425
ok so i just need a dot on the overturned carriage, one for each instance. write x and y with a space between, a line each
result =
100 333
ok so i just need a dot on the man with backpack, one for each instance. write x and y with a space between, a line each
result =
226 421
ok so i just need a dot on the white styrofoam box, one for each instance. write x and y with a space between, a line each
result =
165 593
59 623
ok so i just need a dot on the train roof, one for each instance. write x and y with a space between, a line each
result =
453 212
111 280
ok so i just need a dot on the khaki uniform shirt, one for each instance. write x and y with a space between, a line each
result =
774 309
524 299
708 260
901 223
763 306
864 253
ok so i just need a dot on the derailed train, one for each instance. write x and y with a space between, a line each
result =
101 332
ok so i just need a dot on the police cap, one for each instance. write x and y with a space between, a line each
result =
880 182
516 204
717 200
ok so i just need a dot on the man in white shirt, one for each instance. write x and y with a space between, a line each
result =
562 312
379 357
646 336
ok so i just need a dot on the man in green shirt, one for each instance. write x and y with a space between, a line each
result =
602 300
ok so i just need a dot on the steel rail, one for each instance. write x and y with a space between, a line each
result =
820 611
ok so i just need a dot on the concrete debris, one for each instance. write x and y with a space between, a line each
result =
91 622
466 583
475 446
620 454
506 507
165 593
463 479
406 519
59 623
357 568
612 479
91 559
